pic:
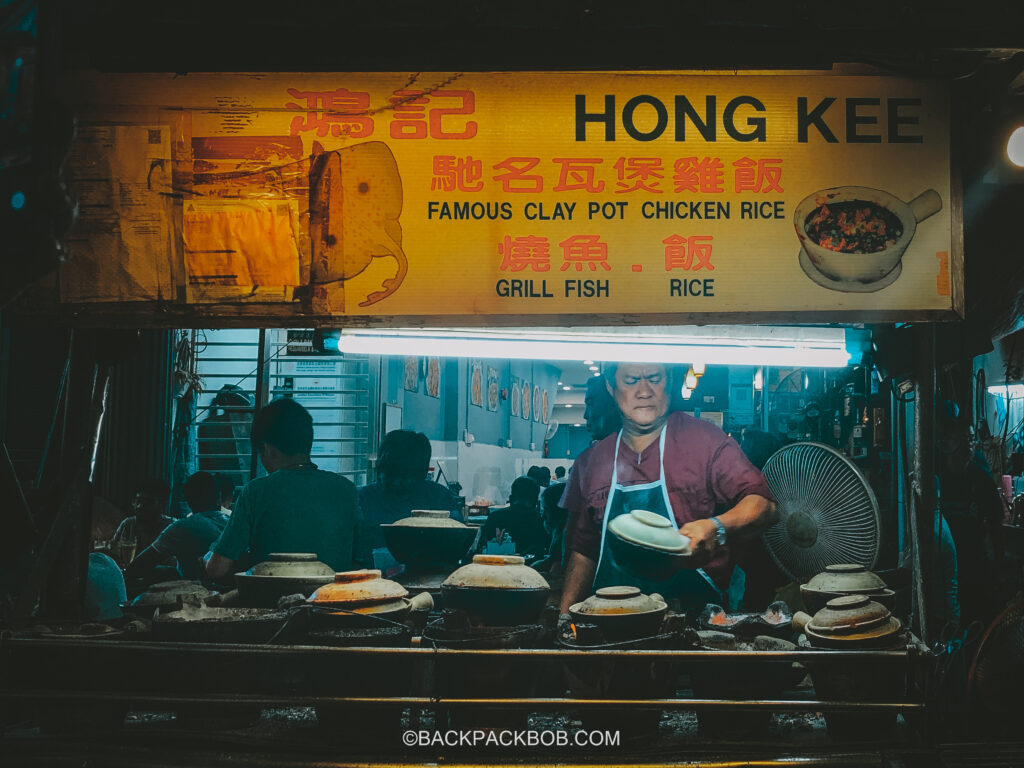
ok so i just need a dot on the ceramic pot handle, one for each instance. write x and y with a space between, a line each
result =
422 602
925 204
801 620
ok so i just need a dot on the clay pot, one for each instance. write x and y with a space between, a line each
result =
845 579
358 588
850 622
281 574
621 613
497 590
168 595
430 537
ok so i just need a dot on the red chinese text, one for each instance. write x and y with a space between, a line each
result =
340 112
681 252
584 249
758 175
518 253
412 120
461 174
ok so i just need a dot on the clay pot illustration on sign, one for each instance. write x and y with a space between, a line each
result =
854 238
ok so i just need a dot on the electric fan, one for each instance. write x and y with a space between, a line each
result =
828 513
997 672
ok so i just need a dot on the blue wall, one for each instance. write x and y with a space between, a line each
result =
448 417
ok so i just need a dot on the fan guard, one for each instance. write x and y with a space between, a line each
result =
998 668
828 513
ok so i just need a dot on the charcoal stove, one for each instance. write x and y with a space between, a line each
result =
512 677
622 676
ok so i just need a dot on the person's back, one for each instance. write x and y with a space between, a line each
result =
520 521
189 538
295 509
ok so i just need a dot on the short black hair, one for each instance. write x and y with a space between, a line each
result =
541 475
284 424
404 453
559 471
202 492
155 487
226 484
525 490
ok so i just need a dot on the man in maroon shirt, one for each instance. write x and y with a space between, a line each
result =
672 464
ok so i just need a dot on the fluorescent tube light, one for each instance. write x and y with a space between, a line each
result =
1009 391
715 345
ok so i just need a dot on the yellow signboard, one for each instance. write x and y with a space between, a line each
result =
391 194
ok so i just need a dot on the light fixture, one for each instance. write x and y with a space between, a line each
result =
1015 146
687 393
698 369
566 388
559 383
594 368
1009 391
567 405
588 362
577 425
691 379
780 346
807 382
597 373
758 380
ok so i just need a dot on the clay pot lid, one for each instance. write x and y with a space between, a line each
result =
167 592
649 529
291 565
496 572
611 601
849 614
355 587
846 577
428 518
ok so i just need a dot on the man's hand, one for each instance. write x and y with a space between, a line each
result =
218 566
703 536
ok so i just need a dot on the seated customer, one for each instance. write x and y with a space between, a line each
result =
296 508
520 521
104 589
139 530
402 486
187 539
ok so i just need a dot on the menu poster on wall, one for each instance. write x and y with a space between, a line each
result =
412 374
383 195
492 389
476 384
515 395
433 380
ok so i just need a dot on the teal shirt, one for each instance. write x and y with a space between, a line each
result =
294 510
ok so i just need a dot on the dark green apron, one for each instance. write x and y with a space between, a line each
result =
693 588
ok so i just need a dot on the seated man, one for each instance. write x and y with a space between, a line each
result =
296 508
520 521
402 486
187 539
139 530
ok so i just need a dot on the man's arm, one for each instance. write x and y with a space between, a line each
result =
752 515
140 567
579 575
217 566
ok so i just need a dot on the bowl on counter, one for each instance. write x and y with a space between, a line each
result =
845 579
429 537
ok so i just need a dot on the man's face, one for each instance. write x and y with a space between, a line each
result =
146 505
641 392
